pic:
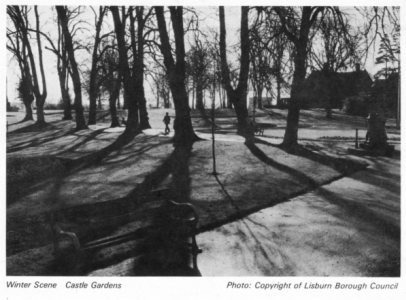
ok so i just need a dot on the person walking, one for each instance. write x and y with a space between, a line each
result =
167 121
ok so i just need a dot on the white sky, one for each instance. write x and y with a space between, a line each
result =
47 15
207 14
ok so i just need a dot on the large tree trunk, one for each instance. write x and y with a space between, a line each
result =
63 74
28 109
290 139
80 120
67 114
40 99
93 87
114 97
184 133
40 111
238 96
139 71
129 92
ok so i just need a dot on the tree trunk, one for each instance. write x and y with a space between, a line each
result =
139 69
166 100
157 99
93 87
63 74
67 114
220 99
114 97
278 91
241 111
199 96
184 133
28 109
129 92
80 120
259 97
40 111
229 103
113 111
238 96
193 95
144 120
99 102
290 139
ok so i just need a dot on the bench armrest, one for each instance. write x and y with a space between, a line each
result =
191 207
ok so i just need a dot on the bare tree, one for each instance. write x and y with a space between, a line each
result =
20 20
16 45
160 85
139 16
296 24
62 68
112 78
132 126
198 63
80 120
176 72
339 51
93 88
238 95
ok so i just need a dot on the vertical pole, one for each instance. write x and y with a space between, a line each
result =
356 138
212 131
398 110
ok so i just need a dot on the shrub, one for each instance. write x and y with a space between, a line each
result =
13 109
50 106
355 106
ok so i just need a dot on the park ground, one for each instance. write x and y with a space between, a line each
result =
316 212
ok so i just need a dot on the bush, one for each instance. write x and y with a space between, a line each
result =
50 106
355 106
13 109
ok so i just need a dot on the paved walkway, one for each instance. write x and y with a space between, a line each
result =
350 227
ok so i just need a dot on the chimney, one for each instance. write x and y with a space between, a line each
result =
357 67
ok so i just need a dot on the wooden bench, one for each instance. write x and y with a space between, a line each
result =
157 222
260 127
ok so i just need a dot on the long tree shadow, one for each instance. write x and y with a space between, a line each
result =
168 262
383 226
42 139
345 166
172 263
263 157
177 165
34 177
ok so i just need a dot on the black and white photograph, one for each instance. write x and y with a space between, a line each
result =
255 145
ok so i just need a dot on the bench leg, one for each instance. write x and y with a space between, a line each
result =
195 251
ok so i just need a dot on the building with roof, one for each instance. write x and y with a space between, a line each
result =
321 86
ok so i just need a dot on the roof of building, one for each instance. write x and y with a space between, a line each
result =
338 85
